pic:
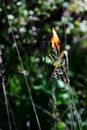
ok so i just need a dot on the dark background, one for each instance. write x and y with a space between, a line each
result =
32 23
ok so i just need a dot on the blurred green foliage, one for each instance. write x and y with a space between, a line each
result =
31 22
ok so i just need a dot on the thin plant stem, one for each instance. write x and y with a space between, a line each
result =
12 117
71 111
6 102
78 116
20 59
53 116
73 100
54 104
4 90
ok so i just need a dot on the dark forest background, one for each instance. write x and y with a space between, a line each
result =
32 22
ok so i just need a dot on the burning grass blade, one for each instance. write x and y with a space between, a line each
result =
55 40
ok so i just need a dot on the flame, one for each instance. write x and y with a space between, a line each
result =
55 40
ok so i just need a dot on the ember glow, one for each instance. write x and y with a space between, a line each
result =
55 40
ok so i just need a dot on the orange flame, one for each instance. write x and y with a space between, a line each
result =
55 40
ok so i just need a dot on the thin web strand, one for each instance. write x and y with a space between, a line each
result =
65 36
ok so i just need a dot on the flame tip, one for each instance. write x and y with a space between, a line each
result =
55 40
